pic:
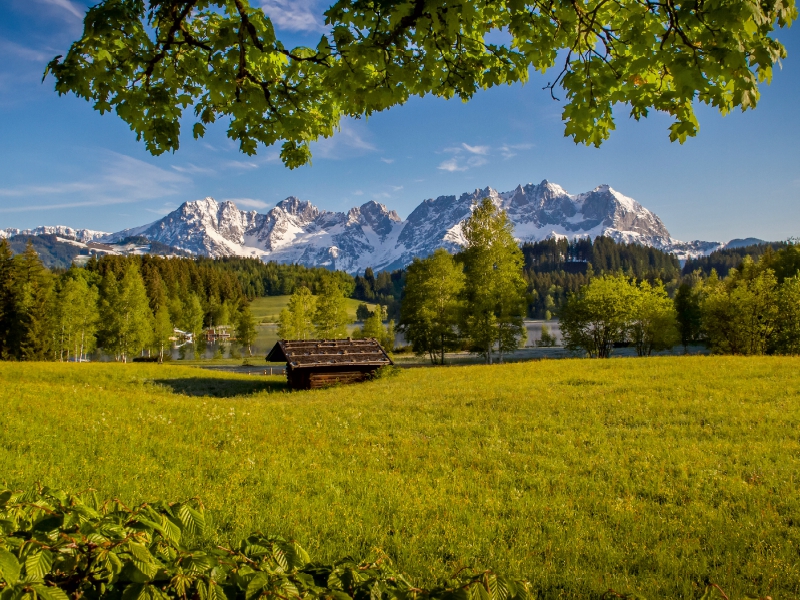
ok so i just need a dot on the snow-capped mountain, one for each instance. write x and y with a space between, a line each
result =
371 235
80 235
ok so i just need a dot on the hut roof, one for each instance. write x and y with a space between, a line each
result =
316 353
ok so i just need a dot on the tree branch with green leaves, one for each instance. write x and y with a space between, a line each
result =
158 62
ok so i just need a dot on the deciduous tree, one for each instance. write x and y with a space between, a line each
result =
78 316
162 331
430 312
740 313
330 318
494 287
787 338
598 315
246 329
152 61
133 319
374 328
653 325
296 321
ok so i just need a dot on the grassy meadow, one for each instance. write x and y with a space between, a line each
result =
649 476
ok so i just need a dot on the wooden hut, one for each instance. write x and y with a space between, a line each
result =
318 363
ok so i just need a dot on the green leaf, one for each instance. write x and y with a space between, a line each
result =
193 520
49 593
212 591
9 567
256 585
38 565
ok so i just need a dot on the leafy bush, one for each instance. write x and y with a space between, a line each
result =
56 546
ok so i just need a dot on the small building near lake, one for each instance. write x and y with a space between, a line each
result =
314 364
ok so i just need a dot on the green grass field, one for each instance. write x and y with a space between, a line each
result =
642 475
268 308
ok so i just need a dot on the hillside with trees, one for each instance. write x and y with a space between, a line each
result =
555 268
725 259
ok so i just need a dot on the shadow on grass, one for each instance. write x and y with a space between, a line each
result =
219 387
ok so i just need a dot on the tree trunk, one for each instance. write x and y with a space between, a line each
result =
500 344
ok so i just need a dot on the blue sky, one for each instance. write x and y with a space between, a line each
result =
63 163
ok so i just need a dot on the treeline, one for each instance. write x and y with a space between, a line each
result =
258 278
385 288
753 310
124 306
725 259
555 268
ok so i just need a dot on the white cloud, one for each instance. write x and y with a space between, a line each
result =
164 210
240 164
192 169
509 150
294 15
120 179
456 164
388 161
397 188
248 202
39 207
23 52
274 156
347 142
68 6
451 166
358 193
483 150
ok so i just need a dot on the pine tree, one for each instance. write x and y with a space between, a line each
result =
33 329
7 308
330 318
495 289
296 321
687 305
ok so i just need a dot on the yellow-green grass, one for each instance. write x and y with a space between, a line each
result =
642 475
268 309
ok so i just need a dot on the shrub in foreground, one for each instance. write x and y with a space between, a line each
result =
56 546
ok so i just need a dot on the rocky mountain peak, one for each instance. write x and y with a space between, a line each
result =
371 235
303 209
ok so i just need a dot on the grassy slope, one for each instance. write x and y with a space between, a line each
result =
640 475
268 308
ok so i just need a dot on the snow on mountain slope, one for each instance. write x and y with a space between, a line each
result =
81 235
296 231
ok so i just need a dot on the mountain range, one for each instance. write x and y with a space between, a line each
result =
371 235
